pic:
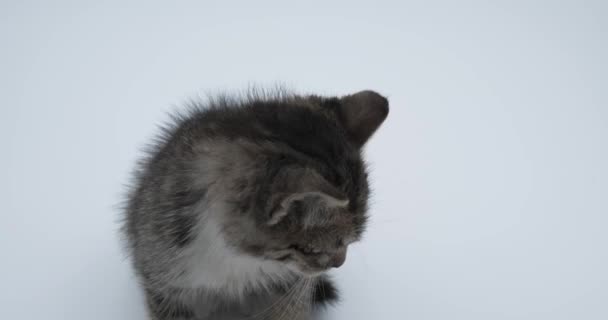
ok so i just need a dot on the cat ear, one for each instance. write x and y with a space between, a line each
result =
321 198
305 185
362 113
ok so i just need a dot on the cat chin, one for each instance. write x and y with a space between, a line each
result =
314 274
305 273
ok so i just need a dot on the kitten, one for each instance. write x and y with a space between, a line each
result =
243 204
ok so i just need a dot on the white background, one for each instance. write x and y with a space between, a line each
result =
490 174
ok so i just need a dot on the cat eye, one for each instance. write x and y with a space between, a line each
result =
307 250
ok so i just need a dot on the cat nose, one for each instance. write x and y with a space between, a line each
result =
339 258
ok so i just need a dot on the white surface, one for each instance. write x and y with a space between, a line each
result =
490 174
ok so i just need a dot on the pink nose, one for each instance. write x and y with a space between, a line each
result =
339 258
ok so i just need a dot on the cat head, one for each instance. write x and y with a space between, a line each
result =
309 190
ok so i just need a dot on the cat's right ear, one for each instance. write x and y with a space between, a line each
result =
300 184
362 113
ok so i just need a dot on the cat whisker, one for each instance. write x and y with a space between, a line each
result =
278 302
295 308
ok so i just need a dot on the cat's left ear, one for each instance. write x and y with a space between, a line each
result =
362 113
304 185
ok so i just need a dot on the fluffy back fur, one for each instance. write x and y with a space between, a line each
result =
242 204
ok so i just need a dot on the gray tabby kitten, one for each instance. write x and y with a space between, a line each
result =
243 204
